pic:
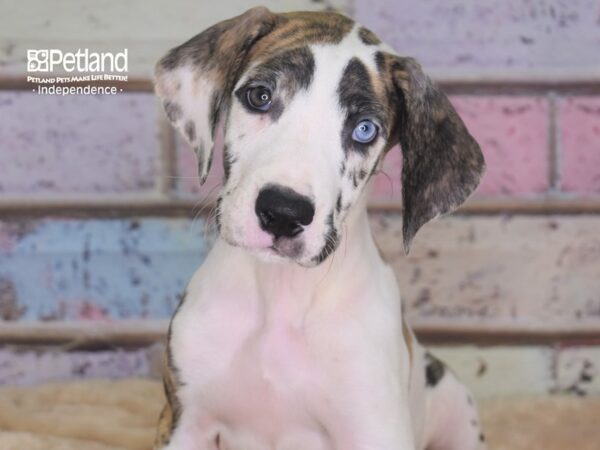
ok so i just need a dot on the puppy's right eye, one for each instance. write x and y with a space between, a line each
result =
259 98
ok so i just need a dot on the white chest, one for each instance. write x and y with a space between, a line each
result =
262 369
257 385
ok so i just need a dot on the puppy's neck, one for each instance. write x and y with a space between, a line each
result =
288 289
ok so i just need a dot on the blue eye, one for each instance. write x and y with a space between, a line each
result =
364 132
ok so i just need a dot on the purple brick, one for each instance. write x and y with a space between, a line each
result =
77 144
503 34
579 125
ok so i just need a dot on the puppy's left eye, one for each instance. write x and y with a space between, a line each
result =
364 132
259 98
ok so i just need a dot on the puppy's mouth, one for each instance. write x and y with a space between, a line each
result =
291 248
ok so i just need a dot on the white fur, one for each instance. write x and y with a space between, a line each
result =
274 355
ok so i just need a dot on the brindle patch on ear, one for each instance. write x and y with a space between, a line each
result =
442 163
195 79
367 37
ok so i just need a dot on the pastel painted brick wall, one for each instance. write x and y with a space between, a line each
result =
97 269
500 34
77 144
496 271
513 133
579 140
521 272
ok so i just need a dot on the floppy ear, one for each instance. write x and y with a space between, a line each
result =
195 80
441 162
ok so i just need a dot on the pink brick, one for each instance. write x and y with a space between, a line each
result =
579 125
78 144
513 134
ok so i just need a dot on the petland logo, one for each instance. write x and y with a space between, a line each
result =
56 72
50 60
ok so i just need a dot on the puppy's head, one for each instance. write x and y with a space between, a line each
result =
304 107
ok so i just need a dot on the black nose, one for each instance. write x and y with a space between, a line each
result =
282 211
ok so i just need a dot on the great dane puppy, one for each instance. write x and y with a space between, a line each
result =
291 334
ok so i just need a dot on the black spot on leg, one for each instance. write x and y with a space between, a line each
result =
190 130
434 370
368 37
481 437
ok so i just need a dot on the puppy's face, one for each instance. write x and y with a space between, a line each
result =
305 105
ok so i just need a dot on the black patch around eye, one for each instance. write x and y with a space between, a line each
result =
368 37
285 74
357 98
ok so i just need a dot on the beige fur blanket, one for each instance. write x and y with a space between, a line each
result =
121 415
